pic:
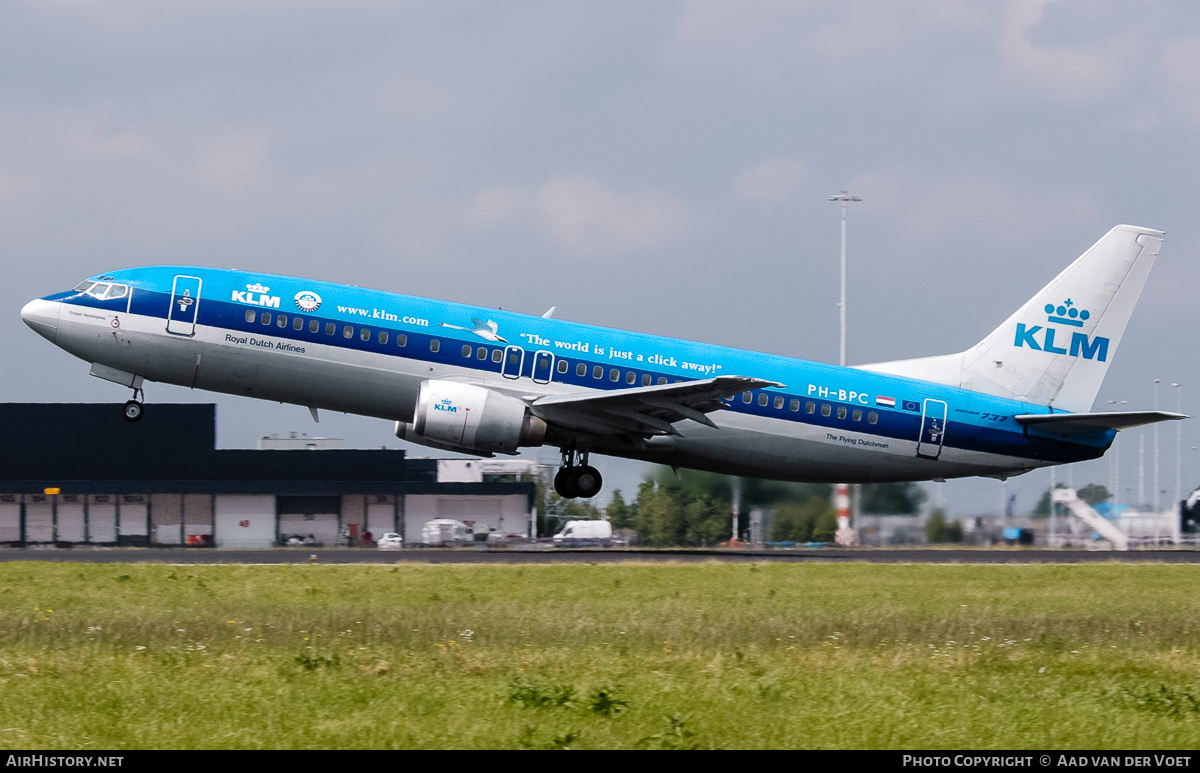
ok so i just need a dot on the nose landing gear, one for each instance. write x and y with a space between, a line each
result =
576 478
133 408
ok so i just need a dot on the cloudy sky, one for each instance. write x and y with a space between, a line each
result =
661 167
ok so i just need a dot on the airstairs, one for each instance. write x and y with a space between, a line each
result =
1085 513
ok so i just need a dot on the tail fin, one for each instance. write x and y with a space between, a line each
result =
1056 349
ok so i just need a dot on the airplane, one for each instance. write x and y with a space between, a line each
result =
1018 400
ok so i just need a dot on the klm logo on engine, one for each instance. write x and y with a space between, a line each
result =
256 294
445 405
1064 314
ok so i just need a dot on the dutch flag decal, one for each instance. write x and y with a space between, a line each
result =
885 402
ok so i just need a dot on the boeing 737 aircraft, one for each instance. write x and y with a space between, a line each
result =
484 381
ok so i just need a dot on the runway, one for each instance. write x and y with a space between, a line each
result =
599 555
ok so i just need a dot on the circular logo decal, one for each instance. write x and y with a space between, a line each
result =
307 300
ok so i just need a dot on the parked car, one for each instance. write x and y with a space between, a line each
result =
585 534
442 532
390 541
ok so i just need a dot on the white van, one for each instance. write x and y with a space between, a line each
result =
585 533
441 532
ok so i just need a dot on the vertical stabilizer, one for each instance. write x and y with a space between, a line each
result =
1056 349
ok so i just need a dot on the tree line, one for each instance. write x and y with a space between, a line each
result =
695 508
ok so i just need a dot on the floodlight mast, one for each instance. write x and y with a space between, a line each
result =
845 198
845 534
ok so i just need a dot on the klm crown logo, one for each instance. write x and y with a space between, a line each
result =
1063 314
1067 314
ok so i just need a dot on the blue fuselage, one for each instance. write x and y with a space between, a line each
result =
343 348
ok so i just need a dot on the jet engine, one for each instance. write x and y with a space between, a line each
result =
470 418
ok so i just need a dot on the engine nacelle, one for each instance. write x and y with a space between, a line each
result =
467 417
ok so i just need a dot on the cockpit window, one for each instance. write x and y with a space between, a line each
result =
102 290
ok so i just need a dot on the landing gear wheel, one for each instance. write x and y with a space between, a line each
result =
133 410
564 483
587 482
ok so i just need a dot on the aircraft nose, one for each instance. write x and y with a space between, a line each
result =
42 316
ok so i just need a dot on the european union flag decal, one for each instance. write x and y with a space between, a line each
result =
912 405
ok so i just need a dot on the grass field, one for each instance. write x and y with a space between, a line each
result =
586 656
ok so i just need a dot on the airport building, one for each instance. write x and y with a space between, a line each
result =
79 474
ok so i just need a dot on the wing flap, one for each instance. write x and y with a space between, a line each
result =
651 410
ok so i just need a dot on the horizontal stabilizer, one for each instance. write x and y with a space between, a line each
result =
1068 424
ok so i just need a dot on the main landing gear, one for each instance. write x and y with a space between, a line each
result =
133 408
577 478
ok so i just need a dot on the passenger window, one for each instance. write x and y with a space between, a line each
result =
597 372
482 353
662 380
810 407
330 328
401 339
563 365
250 315
297 324
497 355
313 326
266 318
383 336
778 402
762 398
281 321
856 416
826 410
630 377
543 363
646 379
841 411
347 332
364 334
581 369
747 397
514 357
467 350
434 345
872 418
614 375
794 405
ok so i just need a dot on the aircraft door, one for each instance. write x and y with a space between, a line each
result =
514 358
543 367
933 428
185 300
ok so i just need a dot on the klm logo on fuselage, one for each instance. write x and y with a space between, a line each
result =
445 405
256 295
1065 314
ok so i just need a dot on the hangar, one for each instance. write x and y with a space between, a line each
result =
79 474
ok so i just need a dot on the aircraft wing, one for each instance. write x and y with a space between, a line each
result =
1068 424
645 411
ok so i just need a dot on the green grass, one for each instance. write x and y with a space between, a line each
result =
586 656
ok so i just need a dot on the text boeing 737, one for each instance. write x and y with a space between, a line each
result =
482 381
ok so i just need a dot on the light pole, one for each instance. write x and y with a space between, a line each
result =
1116 462
1156 488
1178 446
845 198
841 498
